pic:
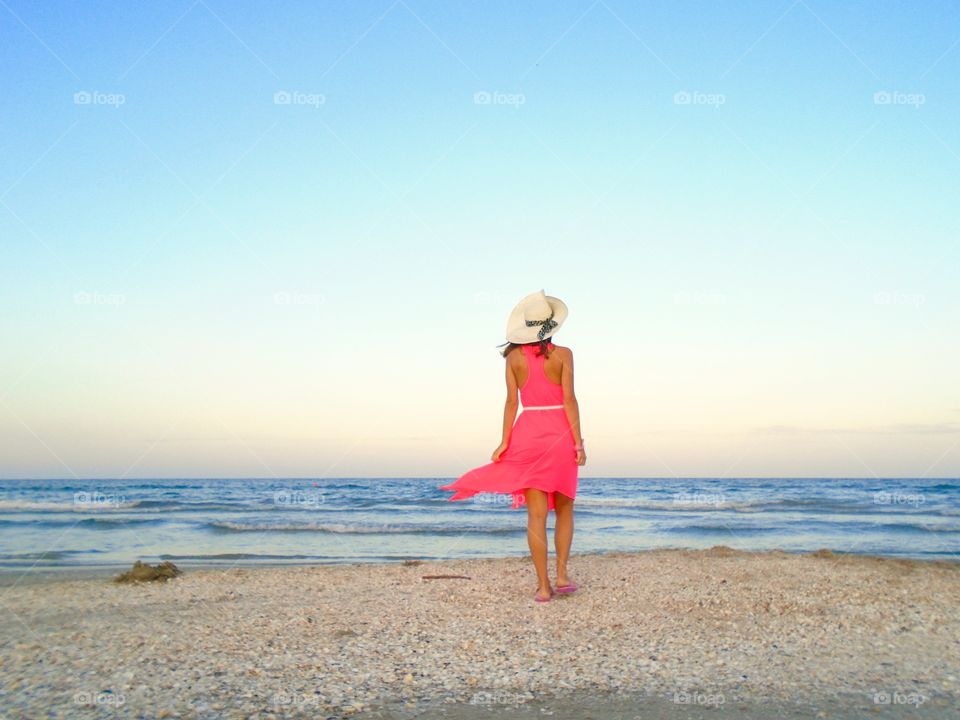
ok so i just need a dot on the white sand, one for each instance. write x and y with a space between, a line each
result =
338 639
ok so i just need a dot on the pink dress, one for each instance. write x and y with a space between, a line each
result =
540 452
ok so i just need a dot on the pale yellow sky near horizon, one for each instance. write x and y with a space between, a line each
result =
665 410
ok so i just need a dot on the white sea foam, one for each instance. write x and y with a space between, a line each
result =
680 503
65 506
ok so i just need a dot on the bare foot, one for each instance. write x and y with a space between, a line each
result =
562 579
545 593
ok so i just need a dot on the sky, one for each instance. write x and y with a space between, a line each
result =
282 240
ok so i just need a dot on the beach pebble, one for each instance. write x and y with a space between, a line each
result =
295 642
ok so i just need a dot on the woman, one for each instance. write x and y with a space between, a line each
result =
538 459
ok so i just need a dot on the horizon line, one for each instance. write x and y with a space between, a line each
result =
438 477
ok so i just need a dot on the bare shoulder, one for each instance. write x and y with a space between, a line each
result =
565 355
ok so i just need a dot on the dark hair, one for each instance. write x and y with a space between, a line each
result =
541 351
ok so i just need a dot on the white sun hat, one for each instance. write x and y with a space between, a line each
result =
536 317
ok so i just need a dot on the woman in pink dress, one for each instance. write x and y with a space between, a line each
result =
538 460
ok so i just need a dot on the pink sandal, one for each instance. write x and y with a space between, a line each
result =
566 589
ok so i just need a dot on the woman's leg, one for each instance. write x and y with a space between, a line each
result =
537 537
563 534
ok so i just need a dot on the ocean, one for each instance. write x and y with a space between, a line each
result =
229 522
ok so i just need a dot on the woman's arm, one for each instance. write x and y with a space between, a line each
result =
510 408
512 404
571 406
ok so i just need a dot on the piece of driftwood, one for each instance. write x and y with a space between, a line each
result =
444 577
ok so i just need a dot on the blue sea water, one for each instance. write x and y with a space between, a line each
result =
194 522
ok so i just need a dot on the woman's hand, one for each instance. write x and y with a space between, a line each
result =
498 452
581 457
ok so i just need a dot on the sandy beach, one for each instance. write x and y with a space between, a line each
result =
668 633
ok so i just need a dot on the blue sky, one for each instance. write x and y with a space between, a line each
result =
249 240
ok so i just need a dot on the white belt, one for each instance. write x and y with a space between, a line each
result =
542 407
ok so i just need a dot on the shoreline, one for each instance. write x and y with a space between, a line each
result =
52 574
662 632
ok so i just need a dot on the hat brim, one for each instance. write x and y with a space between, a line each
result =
518 331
